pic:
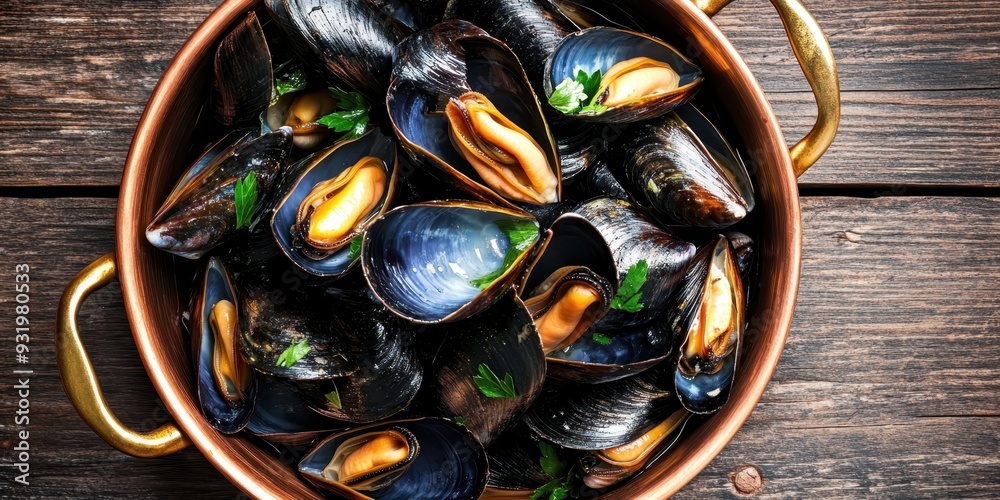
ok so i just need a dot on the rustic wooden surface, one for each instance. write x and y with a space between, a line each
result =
889 385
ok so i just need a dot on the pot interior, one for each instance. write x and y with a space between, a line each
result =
154 293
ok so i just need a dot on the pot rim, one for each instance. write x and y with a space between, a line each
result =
663 479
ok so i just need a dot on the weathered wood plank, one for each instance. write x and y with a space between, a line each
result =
887 45
57 238
888 385
74 78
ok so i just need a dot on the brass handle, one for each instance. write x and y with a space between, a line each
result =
80 382
812 50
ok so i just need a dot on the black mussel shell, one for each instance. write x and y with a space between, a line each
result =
282 416
681 167
633 236
354 39
389 373
601 416
601 48
605 468
200 212
242 79
448 61
599 181
571 240
277 313
603 356
450 463
707 363
515 462
443 261
501 340
215 286
319 167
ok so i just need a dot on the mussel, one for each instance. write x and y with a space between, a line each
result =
242 78
443 261
200 212
460 101
281 416
226 384
710 320
354 39
601 356
681 167
331 198
301 112
608 467
641 77
637 243
427 458
487 369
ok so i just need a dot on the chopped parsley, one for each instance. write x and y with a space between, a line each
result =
575 96
521 233
293 354
491 386
245 196
629 294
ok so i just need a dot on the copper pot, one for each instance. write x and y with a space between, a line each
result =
152 299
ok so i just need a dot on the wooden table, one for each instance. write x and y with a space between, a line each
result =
889 385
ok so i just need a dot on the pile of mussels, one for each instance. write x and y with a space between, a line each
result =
499 338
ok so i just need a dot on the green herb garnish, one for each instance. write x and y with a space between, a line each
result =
293 354
574 96
601 338
561 473
628 296
333 398
491 386
289 82
521 233
351 115
245 196
356 246
460 420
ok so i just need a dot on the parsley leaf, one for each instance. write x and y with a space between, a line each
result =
491 386
550 461
333 398
629 294
351 115
245 196
290 82
521 233
548 488
574 96
568 96
460 420
356 246
293 354
601 338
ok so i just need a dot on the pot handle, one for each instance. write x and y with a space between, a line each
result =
80 382
812 50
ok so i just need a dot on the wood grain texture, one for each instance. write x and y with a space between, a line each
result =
75 76
57 238
888 385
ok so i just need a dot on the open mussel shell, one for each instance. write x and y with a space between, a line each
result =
633 236
354 39
501 340
573 258
281 416
226 384
681 167
275 314
443 261
605 468
626 59
601 416
460 102
349 196
618 354
242 78
426 458
710 318
389 372
200 212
